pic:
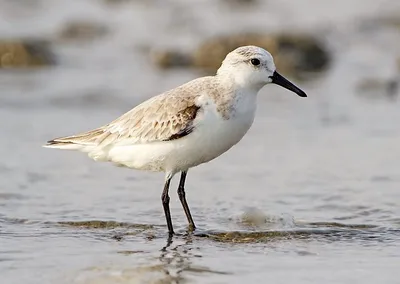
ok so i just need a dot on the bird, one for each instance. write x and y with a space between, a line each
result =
184 127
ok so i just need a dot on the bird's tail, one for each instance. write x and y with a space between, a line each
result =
84 141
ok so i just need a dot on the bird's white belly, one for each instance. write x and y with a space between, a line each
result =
207 142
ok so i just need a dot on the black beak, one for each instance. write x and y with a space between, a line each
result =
282 81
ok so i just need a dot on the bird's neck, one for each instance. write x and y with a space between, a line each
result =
238 82
234 99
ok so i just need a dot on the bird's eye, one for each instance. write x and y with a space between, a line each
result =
255 61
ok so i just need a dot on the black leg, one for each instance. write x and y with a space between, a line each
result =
182 198
165 202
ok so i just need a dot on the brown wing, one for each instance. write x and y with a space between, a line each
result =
162 118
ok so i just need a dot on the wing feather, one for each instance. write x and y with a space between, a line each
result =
162 118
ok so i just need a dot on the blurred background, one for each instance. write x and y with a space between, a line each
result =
314 188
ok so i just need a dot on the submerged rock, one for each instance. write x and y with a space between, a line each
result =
25 53
294 54
82 31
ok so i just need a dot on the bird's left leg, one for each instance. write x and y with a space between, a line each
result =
182 198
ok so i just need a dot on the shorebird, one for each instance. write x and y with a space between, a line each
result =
187 126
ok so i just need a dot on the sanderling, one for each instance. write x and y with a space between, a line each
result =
186 126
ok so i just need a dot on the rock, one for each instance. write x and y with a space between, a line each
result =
294 54
82 31
25 53
168 59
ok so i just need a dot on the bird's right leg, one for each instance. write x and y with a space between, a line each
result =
165 202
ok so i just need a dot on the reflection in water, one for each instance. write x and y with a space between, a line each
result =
179 259
173 265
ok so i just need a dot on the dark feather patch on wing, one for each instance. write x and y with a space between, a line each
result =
188 114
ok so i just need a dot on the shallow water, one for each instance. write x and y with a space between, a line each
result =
310 195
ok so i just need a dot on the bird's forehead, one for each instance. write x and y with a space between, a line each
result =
251 51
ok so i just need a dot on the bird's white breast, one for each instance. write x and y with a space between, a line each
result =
214 134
